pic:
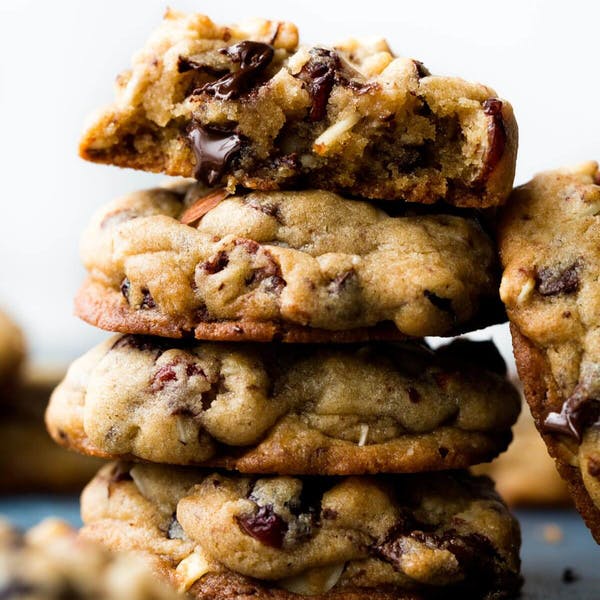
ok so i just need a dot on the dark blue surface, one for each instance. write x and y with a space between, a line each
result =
544 563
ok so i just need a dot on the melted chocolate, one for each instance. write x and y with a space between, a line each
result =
214 150
324 69
253 58
578 412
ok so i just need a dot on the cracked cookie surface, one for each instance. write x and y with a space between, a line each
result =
287 409
549 239
50 562
410 536
246 104
295 266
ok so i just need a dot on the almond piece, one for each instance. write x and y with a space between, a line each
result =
200 207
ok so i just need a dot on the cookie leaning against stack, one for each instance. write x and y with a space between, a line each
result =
334 438
549 238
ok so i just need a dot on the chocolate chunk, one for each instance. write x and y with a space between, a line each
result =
443 451
551 281
444 304
496 134
148 300
422 70
577 412
468 352
324 69
216 263
253 58
474 552
214 150
265 525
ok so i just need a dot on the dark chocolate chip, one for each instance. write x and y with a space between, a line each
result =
577 412
265 525
324 69
443 451
422 70
253 58
329 514
214 149
551 281
443 304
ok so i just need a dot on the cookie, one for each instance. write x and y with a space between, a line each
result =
229 536
549 239
287 409
29 460
245 104
525 474
12 353
50 562
290 266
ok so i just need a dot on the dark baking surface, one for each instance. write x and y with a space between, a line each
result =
554 568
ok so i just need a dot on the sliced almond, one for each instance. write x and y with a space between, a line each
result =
200 207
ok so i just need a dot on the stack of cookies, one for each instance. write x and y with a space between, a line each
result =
281 428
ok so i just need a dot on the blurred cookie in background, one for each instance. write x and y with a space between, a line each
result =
12 353
525 474
50 562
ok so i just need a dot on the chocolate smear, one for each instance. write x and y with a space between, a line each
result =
214 150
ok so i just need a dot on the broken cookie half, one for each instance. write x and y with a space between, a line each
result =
247 105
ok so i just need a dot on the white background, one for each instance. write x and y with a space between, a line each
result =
58 60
